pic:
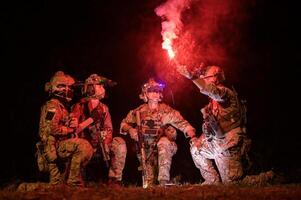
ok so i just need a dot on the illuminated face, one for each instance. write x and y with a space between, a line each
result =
100 91
153 96
211 75
64 91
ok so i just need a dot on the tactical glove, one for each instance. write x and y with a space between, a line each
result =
134 134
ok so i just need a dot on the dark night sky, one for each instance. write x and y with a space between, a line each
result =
121 40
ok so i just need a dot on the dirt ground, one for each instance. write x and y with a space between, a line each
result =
30 191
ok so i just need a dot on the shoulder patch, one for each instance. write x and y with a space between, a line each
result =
50 114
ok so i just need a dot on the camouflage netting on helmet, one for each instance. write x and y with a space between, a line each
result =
95 79
59 78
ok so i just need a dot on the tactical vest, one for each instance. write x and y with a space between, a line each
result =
151 124
230 114
92 133
47 114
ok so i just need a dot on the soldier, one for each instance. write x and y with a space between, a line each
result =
100 132
56 130
224 137
153 123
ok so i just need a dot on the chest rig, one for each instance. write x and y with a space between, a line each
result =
151 123
93 132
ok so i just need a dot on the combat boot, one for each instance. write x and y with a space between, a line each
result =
113 182
162 183
262 179
165 183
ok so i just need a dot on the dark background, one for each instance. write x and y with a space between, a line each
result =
257 43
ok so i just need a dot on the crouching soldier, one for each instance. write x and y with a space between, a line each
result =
151 125
56 131
224 141
99 133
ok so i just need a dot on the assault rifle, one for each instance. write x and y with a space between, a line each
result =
142 150
83 125
104 148
212 126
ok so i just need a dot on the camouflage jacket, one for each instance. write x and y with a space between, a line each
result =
54 120
224 105
152 120
92 133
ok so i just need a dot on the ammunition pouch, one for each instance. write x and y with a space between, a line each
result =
41 159
50 149
149 140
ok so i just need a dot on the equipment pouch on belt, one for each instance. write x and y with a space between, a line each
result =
41 160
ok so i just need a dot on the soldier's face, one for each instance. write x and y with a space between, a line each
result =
100 91
211 75
64 91
153 96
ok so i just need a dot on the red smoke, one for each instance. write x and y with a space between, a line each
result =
208 31
171 12
211 28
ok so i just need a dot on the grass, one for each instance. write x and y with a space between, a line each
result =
43 191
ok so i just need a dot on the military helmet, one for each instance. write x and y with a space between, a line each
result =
95 79
90 82
60 85
151 86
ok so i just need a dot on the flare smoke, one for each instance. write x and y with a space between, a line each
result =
170 12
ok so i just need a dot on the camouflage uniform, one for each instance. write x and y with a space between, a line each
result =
100 132
227 145
55 133
153 122
93 133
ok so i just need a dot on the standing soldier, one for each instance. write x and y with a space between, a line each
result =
224 137
56 131
151 125
99 132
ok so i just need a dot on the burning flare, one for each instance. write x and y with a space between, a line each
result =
170 12
168 37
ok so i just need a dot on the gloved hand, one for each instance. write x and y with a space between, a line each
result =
133 134
73 123
106 137
196 142
182 69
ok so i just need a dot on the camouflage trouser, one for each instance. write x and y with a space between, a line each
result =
79 151
119 151
158 161
166 149
227 154
51 156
